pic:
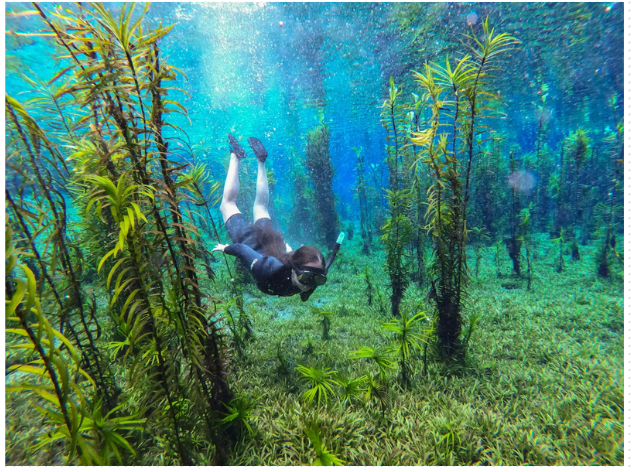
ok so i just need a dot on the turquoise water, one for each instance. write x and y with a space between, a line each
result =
474 313
276 70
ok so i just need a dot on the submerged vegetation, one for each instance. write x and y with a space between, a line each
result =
476 320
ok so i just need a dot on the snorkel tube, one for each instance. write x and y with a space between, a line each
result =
334 252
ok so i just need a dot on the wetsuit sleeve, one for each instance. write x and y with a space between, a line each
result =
246 254
263 268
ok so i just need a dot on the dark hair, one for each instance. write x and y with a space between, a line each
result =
273 244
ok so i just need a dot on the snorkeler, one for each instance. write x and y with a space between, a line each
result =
275 267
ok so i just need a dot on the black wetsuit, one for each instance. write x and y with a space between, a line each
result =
270 274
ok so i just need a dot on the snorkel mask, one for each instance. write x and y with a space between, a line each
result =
315 277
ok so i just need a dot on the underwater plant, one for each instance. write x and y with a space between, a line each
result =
41 220
361 190
381 356
524 225
376 391
569 187
579 146
542 167
240 411
369 287
408 339
487 189
320 380
479 239
122 181
514 241
351 389
321 173
609 239
239 327
54 374
323 455
397 231
458 99
325 321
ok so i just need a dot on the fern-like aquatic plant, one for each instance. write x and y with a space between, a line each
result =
320 380
409 338
376 391
381 356
323 455
240 411
352 389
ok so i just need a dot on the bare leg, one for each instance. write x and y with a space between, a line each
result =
228 206
262 199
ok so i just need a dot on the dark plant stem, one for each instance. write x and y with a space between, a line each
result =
52 373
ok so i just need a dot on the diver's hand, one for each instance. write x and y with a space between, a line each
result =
219 247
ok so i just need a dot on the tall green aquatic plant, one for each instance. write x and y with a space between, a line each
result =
41 219
52 376
579 146
543 165
568 187
363 202
419 186
321 172
609 239
514 241
397 231
488 186
124 182
457 98
527 241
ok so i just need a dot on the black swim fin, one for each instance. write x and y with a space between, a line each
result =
258 149
236 148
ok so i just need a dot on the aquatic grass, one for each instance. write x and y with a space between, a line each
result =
520 373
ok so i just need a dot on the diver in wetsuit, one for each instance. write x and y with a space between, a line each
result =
276 269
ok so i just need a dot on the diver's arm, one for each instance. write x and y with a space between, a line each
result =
263 268
246 254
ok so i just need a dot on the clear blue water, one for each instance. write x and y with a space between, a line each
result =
275 70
